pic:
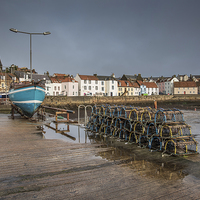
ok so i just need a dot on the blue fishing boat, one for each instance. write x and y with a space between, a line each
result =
27 97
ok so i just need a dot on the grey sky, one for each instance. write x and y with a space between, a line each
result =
151 37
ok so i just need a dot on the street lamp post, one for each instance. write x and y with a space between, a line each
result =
44 33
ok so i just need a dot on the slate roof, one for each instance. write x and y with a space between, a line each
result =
105 78
39 77
196 76
129 77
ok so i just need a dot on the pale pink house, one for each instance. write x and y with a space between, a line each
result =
161 86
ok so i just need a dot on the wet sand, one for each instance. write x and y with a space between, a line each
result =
36 168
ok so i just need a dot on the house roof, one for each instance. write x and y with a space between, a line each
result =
196 76
54 80
88 77
55 74
185 84
148 84
105 78
197 83
62 79
8 76
66 79
125 83
39 77
130 77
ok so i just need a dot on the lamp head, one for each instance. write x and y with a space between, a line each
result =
14 30
46 33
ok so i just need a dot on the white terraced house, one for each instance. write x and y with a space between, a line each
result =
88 85
108 85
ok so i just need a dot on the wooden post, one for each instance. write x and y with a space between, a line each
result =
12 112
155 104
56 116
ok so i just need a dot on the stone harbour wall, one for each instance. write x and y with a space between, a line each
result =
73 101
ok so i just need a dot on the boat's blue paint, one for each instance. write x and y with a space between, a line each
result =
28 99
28 108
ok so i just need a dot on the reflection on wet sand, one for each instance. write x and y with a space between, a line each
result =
143 162
66 132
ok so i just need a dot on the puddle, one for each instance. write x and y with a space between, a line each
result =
154 164
193 118
65 132
146 163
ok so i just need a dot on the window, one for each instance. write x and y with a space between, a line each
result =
89 88
102 82
89 81
85 87
113 87
96 82
131 94
102 89
85 81
96 87
53 93
54 87
73 93
73 86
128 89
131 89
112 81
65 87
2 85
58 87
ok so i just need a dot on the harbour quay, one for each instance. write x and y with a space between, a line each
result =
35 167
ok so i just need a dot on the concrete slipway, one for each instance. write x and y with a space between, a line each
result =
32 167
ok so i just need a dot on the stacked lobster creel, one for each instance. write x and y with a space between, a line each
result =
163 130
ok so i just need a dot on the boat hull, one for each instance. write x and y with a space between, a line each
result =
27 98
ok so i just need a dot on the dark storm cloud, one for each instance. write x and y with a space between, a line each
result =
103 36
